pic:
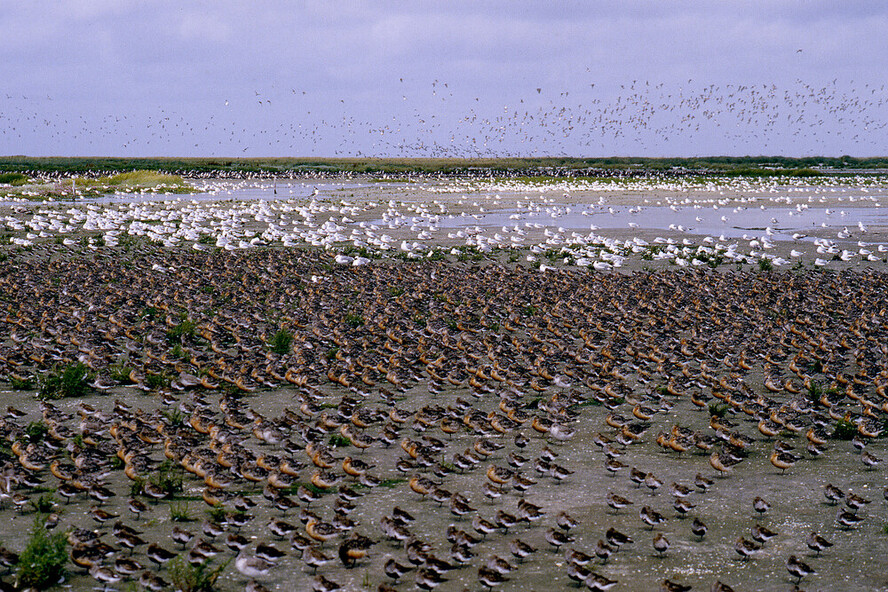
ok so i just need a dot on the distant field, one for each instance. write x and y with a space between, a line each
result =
753 166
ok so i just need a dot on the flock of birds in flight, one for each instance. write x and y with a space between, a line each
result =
440 121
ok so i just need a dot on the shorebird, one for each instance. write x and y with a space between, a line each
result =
520 549
490 577
313 558
104 575
847 519
557 538
797 568
760 505
651 517
395 570
817 543
617 539
699 528
855 502
833 494
745 548
617 502
762 534
661 544
252 567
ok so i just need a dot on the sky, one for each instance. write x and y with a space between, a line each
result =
472 78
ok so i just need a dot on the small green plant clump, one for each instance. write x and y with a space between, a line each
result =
281 342
338 441
194 578
765 265
13 179
120 373
42 564
168 477
36 431
44 504
355 320
179 513
718 409
185 328
70 381
21 384
845 430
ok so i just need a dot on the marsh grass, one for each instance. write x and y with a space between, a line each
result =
194 578
186 328
179 512
281 342
42 564
134 180
70 381
845 430
168 477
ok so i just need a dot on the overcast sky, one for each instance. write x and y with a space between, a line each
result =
450 78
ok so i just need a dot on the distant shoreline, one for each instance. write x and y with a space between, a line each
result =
625 167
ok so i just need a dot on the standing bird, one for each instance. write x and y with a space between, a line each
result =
817 543
699 528
661 544
760 505
797 568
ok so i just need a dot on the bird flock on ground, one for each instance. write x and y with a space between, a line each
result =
435 424
703 222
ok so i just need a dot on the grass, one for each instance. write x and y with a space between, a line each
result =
185 329
354 320
281 342
845 430
70 381
21 384
44 504
194 578
120 373
179 512
168 477
216 514
36 431
42 564
718 409
134 180
14 179
157 381
338 441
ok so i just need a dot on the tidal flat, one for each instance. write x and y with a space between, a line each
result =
348 407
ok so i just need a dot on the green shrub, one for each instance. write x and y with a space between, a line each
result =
718 409
13 179
21 384
168 477
157 381
179 513
42 563
36 431
185 328
72 381
845 430
194 578
355 320
44 504
281 342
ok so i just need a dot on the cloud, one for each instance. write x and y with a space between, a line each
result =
374 64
